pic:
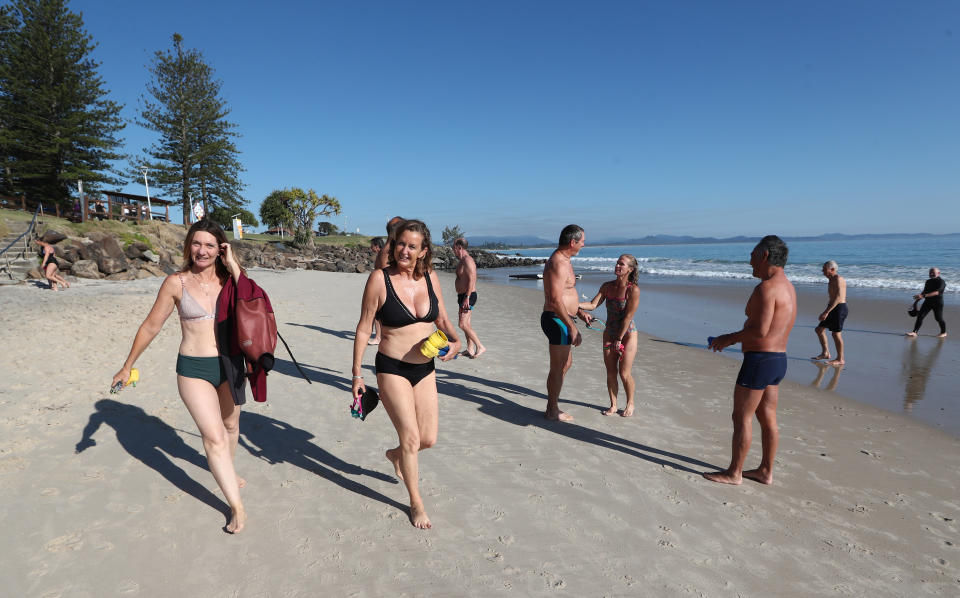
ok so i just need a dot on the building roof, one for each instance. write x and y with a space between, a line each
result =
134 197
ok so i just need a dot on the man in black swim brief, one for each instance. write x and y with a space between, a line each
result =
833 316
560 299
466 284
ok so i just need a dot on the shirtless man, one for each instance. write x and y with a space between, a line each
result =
376 248
466 286
384 256
834 315
771 312
561 304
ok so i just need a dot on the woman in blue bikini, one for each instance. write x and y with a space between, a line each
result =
208 261
620 337
405 296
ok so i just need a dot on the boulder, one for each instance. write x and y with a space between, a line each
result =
152 269
111 265
132 252
150 256
86 269
69 252
52 236
143 273
168 268
125 275
35 274
89 250
111 248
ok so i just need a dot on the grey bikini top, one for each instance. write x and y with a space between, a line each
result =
190 308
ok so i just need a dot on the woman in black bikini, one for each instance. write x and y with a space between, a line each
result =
50 266
202 379
405 296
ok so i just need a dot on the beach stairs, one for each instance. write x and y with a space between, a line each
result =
19 259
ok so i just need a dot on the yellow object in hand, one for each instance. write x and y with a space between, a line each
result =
134 377
436 341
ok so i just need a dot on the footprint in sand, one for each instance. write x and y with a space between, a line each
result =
50 492
68 542
128 586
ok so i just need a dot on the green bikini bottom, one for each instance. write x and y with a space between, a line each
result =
204 368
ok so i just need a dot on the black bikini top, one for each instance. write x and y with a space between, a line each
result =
394 313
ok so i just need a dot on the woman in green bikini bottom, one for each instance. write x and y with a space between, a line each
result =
207 263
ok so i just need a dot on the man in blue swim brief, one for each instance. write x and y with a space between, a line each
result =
771 312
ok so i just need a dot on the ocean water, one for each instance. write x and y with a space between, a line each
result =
887 265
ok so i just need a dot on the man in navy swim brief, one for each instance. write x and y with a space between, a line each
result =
771 313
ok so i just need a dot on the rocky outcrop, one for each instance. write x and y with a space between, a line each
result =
101 254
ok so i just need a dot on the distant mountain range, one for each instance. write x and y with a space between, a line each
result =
531 241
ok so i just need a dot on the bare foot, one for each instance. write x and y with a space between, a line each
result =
558 416
627 411
611 411
238 518
759 476
373 341
393 455
942 335
241 482
419 519
821 356
483 350
836 362
911 334
723 477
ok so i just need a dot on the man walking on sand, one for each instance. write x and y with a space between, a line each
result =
932 296
561 304
466 285
833 316
771 312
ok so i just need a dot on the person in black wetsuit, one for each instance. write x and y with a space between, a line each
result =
932 296
405 296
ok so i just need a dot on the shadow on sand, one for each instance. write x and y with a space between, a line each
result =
276 441
496 405
344 334
316 374
153 442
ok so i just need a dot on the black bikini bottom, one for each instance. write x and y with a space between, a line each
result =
413 372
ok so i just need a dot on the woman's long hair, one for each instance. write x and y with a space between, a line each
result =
424 265
634 275
208 226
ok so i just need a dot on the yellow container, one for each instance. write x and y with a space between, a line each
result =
436 341
134 377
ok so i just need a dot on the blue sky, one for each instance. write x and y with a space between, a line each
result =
629 118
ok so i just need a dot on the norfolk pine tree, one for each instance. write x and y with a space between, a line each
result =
56 124
196 153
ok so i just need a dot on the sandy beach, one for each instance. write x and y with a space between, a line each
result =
105 495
